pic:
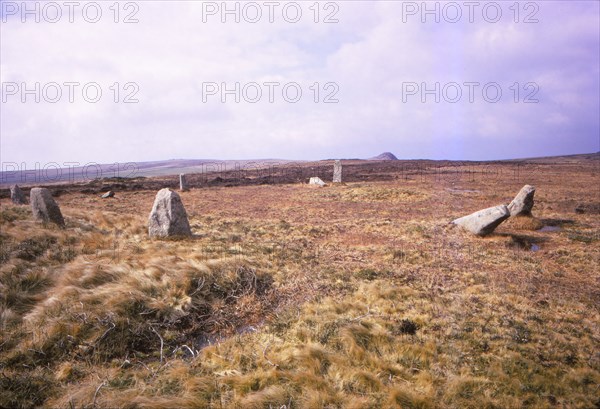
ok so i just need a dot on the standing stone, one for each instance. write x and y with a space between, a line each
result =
484 221
16 195
108 194
168 216
523 202
337 172
182 183
44 208
316 181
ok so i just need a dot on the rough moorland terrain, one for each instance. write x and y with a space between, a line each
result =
358 294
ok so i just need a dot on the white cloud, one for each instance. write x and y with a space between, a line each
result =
370 53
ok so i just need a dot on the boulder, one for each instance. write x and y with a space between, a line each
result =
108 194
168 217
523 202
337 172
484 221
44 208
182 183
316 181
17 196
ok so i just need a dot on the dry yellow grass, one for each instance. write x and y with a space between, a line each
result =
351 296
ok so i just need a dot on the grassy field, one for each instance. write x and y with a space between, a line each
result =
358 295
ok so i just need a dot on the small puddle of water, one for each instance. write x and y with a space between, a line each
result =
534 247
549 229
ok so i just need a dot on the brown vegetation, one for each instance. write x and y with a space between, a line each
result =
349 296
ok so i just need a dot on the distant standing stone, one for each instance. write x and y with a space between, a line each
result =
337 172
16 195
182 183
168 216
484 221
108 194
523 202
44 208
316 181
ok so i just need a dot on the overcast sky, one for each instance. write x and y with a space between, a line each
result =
369 79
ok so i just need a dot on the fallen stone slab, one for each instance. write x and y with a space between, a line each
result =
168 216
523 202
316 181
484 221
17 196
44 208
108 194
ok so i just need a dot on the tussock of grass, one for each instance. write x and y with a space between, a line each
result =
106 312
524 223
406 398
9 214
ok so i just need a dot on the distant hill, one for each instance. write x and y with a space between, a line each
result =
385 156
93 171
576 158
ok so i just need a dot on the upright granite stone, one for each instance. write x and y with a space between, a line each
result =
44 208
484 221
182 183
337 172
168 217
17 196
523 202
316 181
